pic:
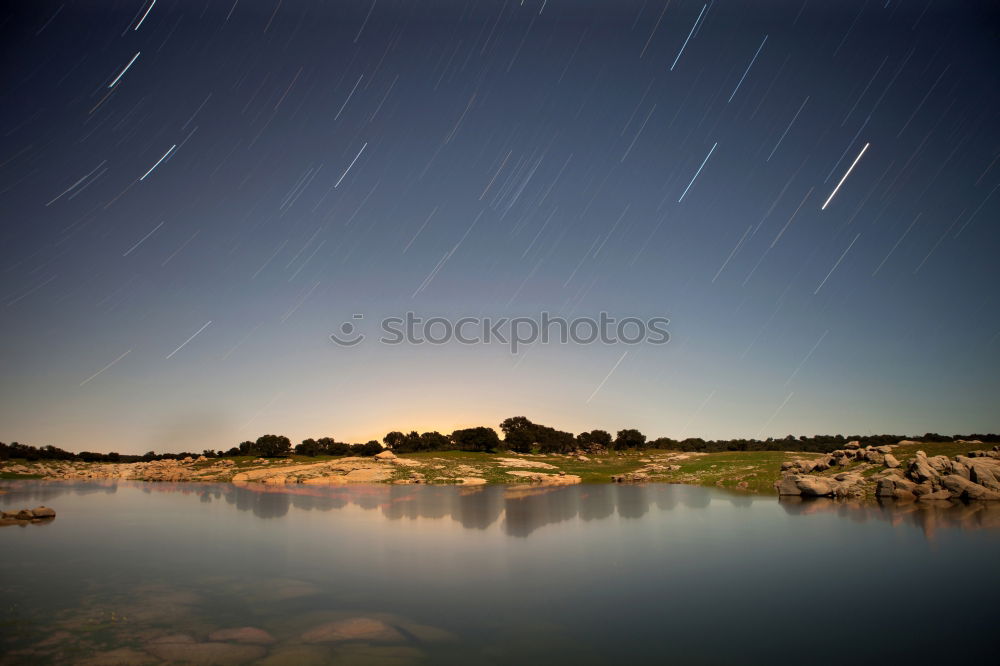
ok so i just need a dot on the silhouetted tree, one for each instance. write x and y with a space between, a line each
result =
476 439
630 438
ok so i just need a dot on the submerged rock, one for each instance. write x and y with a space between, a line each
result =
183 649
251 635
353 629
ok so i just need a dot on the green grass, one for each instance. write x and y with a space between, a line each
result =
757 470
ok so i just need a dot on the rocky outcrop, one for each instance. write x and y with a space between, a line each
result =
975 476
40 514
845 484
970 477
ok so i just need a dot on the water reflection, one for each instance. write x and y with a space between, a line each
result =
517 511
928 516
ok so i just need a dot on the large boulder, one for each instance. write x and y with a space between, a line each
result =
874 457
965 489
853 445
920 470
985 472
787 485
814 486
385 455
43 512
890 461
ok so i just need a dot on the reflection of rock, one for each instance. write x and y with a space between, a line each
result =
353 629
378 655
297 655
251 635
181 648
120 657
547 479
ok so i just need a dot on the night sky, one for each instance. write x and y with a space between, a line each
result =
195 195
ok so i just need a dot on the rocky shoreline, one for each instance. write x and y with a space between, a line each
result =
901 471
875 470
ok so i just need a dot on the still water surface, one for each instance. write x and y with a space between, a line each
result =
591 574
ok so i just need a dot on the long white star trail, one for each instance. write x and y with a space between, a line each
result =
105 368
607 377
695 176
169 151
684 45
846 174
773 416
140 241
837 264
184 344
120 75
349 166
752 61
149 9
794 118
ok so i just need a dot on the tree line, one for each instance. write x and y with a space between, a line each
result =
520 435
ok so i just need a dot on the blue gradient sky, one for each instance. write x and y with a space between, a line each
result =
546 122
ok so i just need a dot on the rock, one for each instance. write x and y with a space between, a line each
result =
936 495
821 466
884 449
853 445
940 464
24 514
874 457
890 460
43 512
986 474
251 635
885 488
787 485
353 629
814 486
385 455
904 495
920 470
789 464
966 489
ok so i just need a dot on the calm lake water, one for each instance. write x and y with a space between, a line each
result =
590 574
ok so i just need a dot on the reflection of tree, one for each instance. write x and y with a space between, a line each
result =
523 509
478 507
263 505
633 501
526 511
597 501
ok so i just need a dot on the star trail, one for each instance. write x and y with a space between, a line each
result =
217 187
